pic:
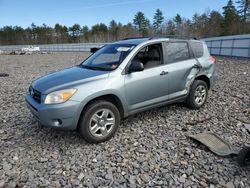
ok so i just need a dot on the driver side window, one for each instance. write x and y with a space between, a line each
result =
150 56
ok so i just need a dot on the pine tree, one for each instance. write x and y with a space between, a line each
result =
142 23
170 30
231 19
113 28
244 9
178 20
85 32
215 22
158 20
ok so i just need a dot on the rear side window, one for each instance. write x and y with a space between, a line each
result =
176 51
197 48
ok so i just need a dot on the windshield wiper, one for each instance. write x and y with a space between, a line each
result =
88 67
95 68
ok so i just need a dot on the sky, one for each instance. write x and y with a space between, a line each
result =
90 12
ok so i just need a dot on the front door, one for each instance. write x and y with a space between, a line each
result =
151 85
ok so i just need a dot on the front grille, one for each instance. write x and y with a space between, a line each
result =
36 95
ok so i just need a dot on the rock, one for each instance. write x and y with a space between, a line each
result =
132 180
54 163
43 160
184 162
75 183
182 179
60 171
189 170
81 176
222 183
230 185
56 184
145 177
7 166
15 158
138 179
2 184
136 144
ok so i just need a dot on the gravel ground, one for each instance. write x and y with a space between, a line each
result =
150 149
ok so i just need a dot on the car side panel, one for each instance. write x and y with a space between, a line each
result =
208 67
180 75
146 87
113 85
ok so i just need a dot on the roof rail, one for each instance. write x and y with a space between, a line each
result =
174 37
134 38
164 36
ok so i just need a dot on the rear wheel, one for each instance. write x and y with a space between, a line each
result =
197 94
99 121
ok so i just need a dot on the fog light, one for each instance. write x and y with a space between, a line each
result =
57 122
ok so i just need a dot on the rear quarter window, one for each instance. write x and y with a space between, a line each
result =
197 48
176 51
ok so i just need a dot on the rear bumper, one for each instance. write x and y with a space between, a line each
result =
63 116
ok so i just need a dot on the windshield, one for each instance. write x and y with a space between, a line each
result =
108 57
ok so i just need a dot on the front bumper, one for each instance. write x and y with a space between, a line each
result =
63 116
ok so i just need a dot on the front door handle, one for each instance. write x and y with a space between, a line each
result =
163 73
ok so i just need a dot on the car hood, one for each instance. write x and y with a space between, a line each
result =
66 78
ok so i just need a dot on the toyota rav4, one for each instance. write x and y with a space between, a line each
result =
121 79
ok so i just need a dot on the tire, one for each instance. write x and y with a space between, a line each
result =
197 96
99 121
244 157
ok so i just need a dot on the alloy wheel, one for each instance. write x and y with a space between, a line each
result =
102 122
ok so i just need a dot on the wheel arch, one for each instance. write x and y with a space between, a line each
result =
205 79
112 98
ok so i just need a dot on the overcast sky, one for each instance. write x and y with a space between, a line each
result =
90 12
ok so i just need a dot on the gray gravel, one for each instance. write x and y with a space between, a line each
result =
150 149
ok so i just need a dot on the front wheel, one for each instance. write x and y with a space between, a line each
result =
99 121
197 95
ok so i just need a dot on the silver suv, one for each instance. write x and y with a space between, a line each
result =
121 79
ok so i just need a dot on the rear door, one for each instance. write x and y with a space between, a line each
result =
180 62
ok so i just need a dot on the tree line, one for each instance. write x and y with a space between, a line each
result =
235 19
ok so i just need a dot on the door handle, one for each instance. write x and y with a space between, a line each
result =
163 73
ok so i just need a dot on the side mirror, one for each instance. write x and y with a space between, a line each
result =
136 66
93 50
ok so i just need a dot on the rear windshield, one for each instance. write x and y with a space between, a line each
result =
197 48
108 57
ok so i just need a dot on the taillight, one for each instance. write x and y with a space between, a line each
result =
212 59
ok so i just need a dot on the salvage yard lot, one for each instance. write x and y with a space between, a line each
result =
150 148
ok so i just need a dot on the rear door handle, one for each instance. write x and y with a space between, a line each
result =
163 73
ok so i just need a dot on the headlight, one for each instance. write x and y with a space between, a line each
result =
59 96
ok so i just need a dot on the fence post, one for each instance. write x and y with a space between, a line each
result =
232 48
249 48
220 46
